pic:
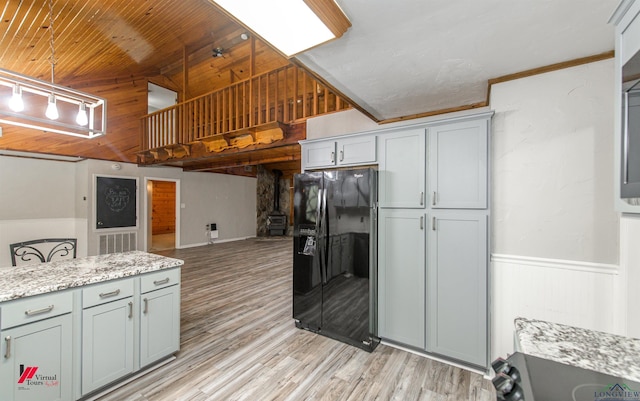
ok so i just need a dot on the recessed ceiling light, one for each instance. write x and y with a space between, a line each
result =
291 26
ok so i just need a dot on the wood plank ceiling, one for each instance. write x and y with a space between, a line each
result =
111 48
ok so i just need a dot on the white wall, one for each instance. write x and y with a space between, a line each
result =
38 200
45 198
553 165
630 270
554 229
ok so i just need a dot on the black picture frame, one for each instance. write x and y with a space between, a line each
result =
116 202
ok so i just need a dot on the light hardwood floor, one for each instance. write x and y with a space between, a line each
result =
239 342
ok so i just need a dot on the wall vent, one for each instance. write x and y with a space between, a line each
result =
117 242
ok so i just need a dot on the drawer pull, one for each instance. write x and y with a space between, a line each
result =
7 352
160 282
39 311
109 294
146 306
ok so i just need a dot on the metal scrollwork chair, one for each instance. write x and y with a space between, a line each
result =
34 251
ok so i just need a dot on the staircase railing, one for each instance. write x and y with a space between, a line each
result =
283 95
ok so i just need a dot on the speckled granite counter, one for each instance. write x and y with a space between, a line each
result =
42 278
607 353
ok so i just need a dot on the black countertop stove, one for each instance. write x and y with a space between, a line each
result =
524 377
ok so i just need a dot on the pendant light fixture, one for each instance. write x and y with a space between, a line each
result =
16 104
52 109
68 111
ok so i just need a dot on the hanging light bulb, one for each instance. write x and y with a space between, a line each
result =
81 118
15 103
52 109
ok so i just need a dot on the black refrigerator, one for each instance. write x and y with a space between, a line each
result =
334 255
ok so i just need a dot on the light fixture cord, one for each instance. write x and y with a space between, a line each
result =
52 59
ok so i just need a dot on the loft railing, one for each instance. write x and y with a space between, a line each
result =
283 95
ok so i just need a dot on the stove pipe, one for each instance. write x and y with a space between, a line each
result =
276 190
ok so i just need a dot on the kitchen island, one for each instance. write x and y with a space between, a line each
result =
72 328
588 349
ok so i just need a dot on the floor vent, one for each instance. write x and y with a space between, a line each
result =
117 242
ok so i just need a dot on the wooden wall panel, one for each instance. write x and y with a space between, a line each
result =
163 206
126 103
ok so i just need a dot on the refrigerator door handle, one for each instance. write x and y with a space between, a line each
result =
325 240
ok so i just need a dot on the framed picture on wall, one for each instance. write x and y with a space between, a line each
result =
116 203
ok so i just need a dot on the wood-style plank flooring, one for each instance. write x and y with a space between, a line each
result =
239 342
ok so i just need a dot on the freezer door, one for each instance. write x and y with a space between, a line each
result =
307 250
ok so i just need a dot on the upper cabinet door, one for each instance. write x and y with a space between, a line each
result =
402 169
356 150
319 154
349 151
458 165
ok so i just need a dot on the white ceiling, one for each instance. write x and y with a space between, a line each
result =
406 57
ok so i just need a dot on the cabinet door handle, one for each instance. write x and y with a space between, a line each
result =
433 200
341 155
146 306
160 282
38 311
333 157
433 224
7 352
422 222
109 294
130 310
421 198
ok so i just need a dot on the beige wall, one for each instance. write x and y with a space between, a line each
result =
44 198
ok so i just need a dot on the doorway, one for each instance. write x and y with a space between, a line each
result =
162 214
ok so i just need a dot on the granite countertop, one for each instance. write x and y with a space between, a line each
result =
28 280
602 352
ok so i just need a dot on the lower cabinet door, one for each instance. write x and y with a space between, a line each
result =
401 276
107 343
159 324
457 289
36 361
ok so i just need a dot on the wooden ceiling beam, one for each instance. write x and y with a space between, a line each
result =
222 164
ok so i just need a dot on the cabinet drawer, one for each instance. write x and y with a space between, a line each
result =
33 309
107 292
157 280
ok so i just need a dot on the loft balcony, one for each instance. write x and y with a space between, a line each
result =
258 113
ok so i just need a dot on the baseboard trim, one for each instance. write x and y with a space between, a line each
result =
217 241
588 267
117 385
392 344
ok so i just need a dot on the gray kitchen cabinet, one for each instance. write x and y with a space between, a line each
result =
458 165
37 355
402 169
457 285
348 151
107 333
159 315
401 272
318 154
